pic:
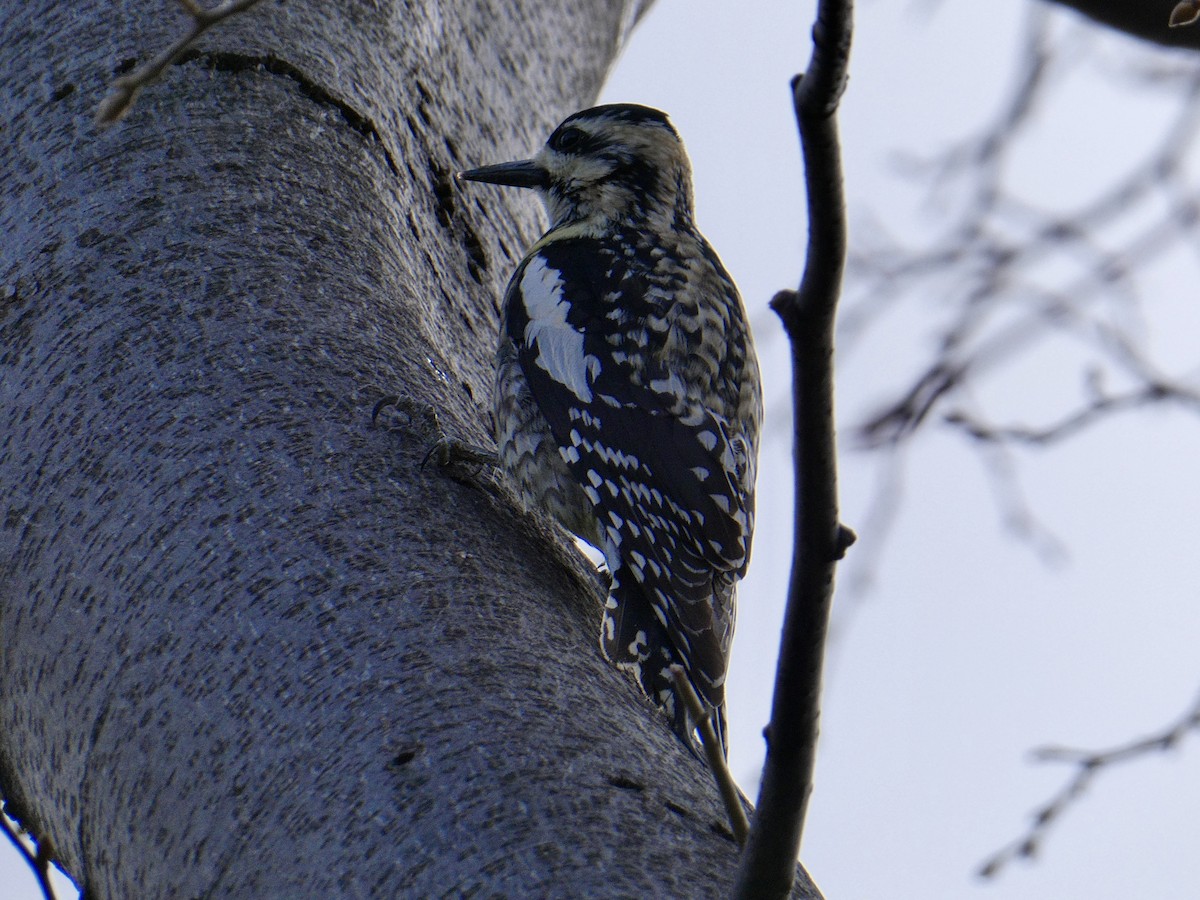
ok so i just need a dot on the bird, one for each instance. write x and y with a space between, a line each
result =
628 399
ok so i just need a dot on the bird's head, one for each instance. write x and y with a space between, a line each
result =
616 164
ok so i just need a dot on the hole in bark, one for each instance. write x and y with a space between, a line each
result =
625 783
405 755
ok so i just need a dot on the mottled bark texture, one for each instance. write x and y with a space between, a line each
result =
250 648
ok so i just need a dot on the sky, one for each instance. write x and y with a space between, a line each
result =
970 648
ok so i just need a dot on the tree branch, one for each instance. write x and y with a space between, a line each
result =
1010 274
1088 763
1098 407
38 862
1151 20
125 89
991 264
768 864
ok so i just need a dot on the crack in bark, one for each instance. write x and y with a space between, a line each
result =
225 61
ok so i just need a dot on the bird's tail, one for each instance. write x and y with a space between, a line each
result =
634 639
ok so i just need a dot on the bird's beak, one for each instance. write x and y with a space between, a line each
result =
525 173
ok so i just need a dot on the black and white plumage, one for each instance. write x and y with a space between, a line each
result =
628 401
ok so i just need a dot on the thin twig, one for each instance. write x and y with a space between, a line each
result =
768 865
39 862
1098 407
987 270
1088 764
125 89
991 262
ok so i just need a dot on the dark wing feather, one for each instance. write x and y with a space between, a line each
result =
657 470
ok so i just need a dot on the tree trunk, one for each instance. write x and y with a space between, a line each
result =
248 646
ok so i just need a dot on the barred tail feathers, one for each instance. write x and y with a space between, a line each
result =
634 639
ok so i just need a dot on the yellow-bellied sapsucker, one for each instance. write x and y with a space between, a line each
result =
628 400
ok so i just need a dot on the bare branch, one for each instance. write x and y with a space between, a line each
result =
1151 20
1016 514
986 266
1099 407
1007 275
768 864
1088 764
125 89
39 862
878 522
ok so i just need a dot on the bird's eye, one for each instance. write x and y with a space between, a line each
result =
566 140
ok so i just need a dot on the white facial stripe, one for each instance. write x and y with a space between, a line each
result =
559 346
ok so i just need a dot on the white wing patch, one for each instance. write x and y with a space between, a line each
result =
559 345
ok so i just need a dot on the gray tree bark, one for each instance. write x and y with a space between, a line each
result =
248 647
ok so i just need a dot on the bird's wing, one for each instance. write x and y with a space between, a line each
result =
661 471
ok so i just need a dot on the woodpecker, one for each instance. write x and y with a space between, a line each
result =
627 395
